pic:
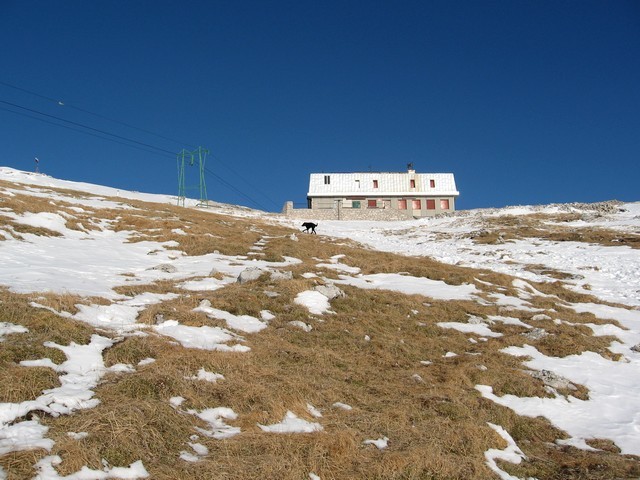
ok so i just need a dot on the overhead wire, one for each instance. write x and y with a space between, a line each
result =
229 185
264 195
85 126
138 145
68 105
85 132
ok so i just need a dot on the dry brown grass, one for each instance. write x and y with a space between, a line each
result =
550 227
434 418
205 232
43 326
64 302
20 229
20 384
21 204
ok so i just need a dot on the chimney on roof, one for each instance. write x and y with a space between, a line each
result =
410 168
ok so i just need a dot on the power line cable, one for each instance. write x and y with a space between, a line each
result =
83 131
238 191
85 126
256 189
157 150
64 104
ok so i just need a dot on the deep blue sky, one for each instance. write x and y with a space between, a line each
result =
526 102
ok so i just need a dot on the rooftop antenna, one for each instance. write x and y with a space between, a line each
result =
189 158
37 164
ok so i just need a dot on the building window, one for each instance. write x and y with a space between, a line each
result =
372 204
431 204
355 204
416 204
432 183
327 179
375 184
412 183
402 204
444 204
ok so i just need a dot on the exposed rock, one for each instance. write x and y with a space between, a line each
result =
540 316
473 320
329 290
294 237
478 233
636 348
271 294
553 380
304 326
250 274
165 267
277 275
535 334
267 316
602 208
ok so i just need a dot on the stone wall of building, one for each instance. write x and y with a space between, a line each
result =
339 213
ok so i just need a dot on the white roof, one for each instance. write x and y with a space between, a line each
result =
397 184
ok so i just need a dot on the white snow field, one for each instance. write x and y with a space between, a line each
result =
93 263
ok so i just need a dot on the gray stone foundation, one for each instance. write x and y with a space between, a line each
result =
340 213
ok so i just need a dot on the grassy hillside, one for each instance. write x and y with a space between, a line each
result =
377 351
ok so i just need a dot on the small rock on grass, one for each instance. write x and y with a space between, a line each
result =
553 380
249 274
329 290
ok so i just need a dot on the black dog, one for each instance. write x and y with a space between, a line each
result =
309 226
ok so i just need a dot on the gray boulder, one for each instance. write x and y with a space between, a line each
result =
329 290
277 276
535 334
553 380
250 274
165 267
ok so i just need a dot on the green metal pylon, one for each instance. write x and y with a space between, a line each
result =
185 156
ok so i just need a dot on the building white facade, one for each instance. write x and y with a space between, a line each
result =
383 195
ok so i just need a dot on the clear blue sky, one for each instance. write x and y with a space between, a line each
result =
526 102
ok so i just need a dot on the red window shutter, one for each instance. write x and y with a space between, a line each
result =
431 204
432 183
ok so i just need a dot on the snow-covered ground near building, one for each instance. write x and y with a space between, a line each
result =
93 263
611 272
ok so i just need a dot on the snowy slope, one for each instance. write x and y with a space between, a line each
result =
94 262
611 272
